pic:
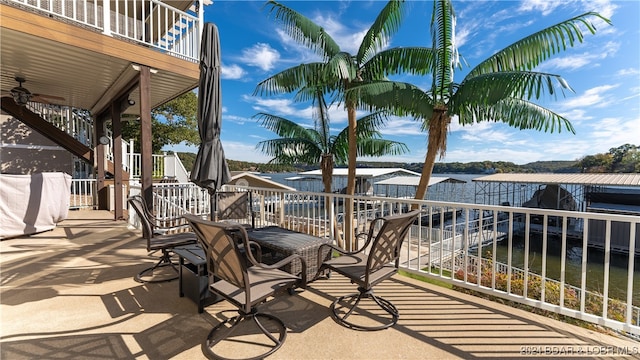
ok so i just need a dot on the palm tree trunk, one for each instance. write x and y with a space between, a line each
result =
326 167
351 174
438 129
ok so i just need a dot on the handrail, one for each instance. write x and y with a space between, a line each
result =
432 248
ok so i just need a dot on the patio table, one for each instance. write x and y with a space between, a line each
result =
281 242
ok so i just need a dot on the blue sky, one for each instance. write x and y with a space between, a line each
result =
604 72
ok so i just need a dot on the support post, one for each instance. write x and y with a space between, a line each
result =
117 160
146 150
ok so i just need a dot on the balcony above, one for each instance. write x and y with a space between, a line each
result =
85 53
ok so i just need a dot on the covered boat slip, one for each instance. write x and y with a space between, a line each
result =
601 193
387 182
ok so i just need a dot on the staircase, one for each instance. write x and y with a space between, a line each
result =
72 129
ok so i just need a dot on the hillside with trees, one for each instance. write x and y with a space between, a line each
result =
622 159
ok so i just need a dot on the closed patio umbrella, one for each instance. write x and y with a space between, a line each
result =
210 169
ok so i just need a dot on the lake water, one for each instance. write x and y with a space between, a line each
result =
573 265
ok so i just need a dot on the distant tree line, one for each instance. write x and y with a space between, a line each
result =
188 159
622 159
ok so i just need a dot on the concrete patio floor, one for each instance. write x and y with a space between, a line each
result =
70 293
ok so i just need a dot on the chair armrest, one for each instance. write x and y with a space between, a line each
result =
286 261
258 257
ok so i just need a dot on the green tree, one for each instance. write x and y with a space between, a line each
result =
341 70
624 158
630 162
171 123
500 88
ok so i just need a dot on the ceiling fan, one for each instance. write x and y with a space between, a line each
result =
21 95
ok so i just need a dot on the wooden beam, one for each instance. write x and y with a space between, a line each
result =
116 128
101 173
146 150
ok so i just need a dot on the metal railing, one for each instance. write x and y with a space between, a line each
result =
151 23
447 241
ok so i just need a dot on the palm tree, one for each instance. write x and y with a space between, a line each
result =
499 89
341 70
300 145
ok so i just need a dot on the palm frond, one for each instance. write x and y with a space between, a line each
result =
291 79
290 150
283 127
530 51
304 31
411 60
489 89
443 23
340 67
386 24
398 98
321 119
367 126
380 147
517 113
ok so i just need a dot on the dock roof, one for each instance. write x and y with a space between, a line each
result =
632 179
365 172
414 180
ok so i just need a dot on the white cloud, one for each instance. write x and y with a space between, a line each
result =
546 7
261 55
576 115
233 72
612 132
594 97
628 72
577 61
241 120
240 151
281 107
402 126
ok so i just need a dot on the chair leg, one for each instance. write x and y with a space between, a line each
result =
223 331
165 260
386 305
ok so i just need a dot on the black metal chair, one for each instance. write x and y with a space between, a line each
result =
377 260
161 235
244 284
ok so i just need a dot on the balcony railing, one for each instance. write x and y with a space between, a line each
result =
151 23
495 250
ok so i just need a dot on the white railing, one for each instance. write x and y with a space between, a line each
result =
604 290
538 287
174 169
75 122
135 165
152 23
83 193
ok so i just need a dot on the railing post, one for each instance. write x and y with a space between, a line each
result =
200 11
106 18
